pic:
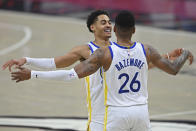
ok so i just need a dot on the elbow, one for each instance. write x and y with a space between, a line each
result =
174 72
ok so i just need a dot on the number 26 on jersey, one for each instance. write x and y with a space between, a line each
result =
133 87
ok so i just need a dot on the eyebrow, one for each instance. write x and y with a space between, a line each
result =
106 20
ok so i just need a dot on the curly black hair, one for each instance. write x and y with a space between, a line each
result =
93 17
125 19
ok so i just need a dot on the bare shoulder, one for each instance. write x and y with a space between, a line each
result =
99 53
151 53
81 50
147 50
104 56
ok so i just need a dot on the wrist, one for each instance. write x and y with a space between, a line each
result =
33 74
24 60
186 53
27 60
167 56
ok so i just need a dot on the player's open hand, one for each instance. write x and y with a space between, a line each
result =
21 75
13 62
191 58
175 53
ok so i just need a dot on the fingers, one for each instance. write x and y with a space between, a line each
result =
12 62
172 58
18 81
9 64
10 67
175 53
179 51
15 76
5 65
190 58
19 67
21 75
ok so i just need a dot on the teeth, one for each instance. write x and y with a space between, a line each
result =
107 31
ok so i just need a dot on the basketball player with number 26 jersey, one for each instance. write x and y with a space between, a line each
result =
125 87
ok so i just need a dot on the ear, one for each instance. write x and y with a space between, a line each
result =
133 30
114 28
92 27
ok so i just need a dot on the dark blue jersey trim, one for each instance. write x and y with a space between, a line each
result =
111 52
94 44
143 49
91 48
123 47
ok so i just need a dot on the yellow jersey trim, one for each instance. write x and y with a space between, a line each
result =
89 102
105 101
105 118
105 89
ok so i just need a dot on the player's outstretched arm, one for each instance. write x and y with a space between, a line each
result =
77 53
81 70
165 64
12 62
21 75
92 64
58 75
170 56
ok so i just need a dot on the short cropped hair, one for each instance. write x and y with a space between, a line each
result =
93 17
125 20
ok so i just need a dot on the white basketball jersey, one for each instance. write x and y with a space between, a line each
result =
125 82
95 92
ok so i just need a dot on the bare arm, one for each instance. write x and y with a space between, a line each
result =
170 56
92 64
164 64
81 70
77 53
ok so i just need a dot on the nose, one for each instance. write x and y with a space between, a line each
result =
108 24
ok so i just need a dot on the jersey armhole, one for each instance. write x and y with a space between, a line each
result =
111 52
143 49
90 48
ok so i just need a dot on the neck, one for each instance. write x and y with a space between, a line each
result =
101 42
125 42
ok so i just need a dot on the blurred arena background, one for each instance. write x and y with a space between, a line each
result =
48 28
171 14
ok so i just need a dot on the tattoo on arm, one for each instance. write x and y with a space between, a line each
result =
165 64
91 65
179 62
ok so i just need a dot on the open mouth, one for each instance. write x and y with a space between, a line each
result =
107 30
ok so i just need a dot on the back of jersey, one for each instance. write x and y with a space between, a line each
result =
125 82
